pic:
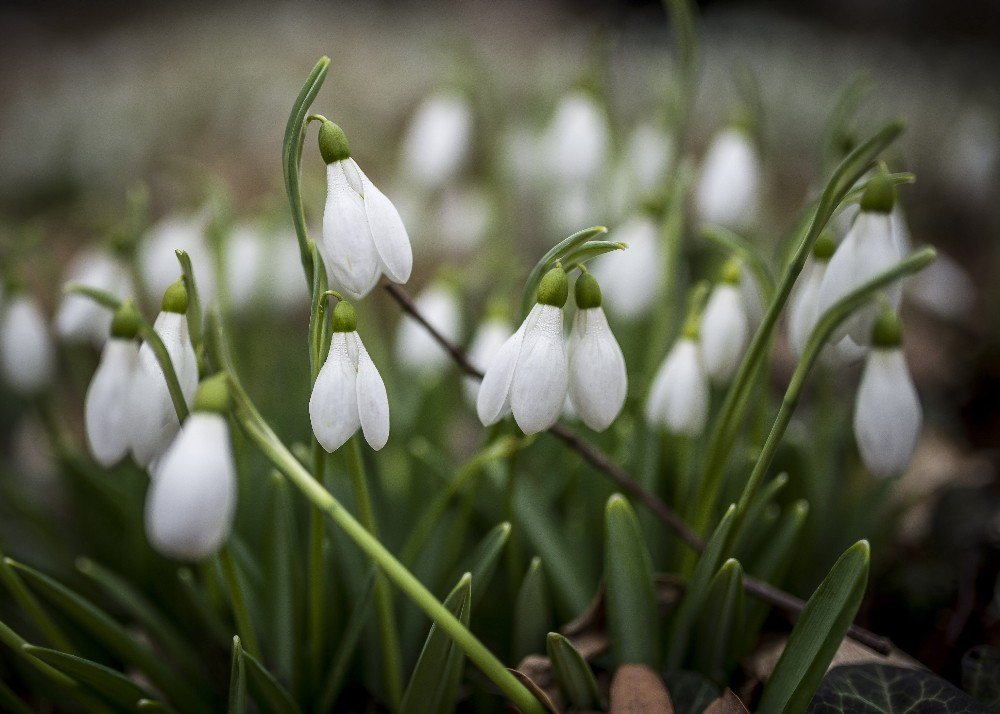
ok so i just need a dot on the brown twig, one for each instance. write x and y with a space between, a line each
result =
766 592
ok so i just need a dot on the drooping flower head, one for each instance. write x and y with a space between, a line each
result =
363 235
438 139
107 405
887 414
632 279
724 325
416 348
728 188
530 374
192 497
152 417
80 319
349 392
27 355
598 381
490 337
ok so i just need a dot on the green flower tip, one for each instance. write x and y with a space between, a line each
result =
553 289
333 144
345 319
732 271
213 394
175 299
888 330
126 321
587 292
880 193
824 246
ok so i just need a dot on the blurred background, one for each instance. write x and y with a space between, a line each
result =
189 101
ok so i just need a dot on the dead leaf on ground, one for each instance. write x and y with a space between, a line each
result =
638 689
728 703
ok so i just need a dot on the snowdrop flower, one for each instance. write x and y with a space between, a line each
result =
728 189
575 143
363 235
80 319
530 374
106 407
192 499
632 279
487 342
158 262
724 325
868 249
678 397
152 419
887 413
27 355
438 139
246 266
597 378
349 392
416 349
944 289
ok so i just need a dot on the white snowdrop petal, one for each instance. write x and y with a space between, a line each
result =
493 400
679 396
373 403
106 407
724 331
541 376
728 188
352 262
597 377
27 355
191 503
488 341
333 404
887 414
388 233
802 305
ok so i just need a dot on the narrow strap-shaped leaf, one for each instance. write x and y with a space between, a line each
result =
237 680
102 627
770 564
281 600
633 621
434 682
154 706
532 613
30 605
697 590
347 643
557 252
745 533
573 674
817 634
590 250
105 681
720 623
483 560
201 607
266 689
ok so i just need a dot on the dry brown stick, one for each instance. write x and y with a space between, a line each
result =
766 592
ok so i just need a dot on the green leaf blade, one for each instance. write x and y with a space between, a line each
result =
573 674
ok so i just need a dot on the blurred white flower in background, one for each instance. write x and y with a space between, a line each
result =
158 261
464 217
491 335
27 353
728 191
416 349
632 279
649 155
438 139
724 330
81 319
678 397
574 147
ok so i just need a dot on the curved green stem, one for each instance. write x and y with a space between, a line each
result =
557 252
735 403
817 341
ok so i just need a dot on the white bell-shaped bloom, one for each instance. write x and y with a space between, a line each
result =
285 287
729 186
887 413
80 319
192 499
363 235
416 349
438 139
107 411
598 381
530 374
678 397
575 143
349 392
158 261
632 279
153 420
486 343
648 155
246 265
944 288
724 330
27 355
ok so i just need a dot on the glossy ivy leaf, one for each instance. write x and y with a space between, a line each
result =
573 674
237 680
720 623
884 689
818 632
108 683
434 683
981 675
532 613
697 590
633 620
691 692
